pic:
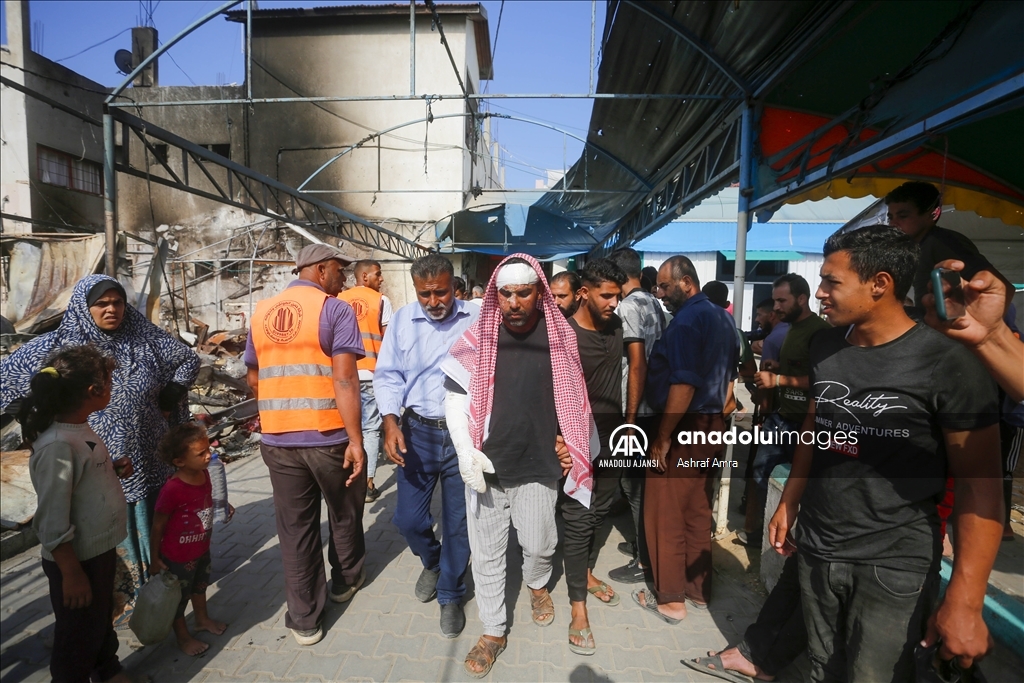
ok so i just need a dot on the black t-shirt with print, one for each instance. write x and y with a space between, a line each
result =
524 424
601 357
874 502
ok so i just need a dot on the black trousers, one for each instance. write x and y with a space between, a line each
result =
581 524
863 621
299 476
84 642
633 489
779 635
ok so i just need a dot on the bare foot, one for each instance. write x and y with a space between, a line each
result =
732 660
192 647
676 610
214 627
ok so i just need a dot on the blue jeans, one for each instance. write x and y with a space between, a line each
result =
371 426
430 457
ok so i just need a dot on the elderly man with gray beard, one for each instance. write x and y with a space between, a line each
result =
409 376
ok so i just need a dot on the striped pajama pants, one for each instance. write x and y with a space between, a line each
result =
531 510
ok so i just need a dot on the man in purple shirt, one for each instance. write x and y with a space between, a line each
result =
281 357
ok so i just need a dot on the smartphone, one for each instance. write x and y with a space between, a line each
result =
949 293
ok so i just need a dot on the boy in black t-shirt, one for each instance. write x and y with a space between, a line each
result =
896 406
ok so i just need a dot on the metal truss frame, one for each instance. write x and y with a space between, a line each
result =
248 190
701 173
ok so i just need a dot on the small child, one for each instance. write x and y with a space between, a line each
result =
182 525
81 514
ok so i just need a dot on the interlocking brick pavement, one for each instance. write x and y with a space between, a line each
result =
384 633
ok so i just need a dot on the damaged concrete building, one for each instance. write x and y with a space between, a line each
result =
403 164
404 180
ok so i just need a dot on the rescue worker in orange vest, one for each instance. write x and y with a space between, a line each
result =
301 355
373 313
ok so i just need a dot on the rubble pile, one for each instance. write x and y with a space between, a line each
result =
220 395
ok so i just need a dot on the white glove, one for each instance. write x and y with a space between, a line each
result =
472 463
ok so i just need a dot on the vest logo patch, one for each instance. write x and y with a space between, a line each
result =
360 307
282 322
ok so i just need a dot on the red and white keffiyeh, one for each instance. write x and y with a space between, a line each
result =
476 352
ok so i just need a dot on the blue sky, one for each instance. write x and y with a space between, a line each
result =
543 47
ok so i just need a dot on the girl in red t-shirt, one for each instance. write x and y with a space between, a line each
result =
182 525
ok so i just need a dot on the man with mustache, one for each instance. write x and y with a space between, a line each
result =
789 379
520 420
688 377
564 287
409 375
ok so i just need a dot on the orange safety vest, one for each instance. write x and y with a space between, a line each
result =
296 388
366 303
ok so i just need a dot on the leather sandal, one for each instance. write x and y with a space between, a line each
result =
542 606
484 653
586 634
607 590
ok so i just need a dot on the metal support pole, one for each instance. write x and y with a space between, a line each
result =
412 47
743 215
248 49
722 513
593 30
109 195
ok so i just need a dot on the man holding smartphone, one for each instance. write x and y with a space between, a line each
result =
866 490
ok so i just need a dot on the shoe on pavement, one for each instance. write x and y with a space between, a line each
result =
344 593
453 620
309 636
751 540
426 585
627 549
372 494
631 573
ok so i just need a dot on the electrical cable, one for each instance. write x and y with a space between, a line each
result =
102 42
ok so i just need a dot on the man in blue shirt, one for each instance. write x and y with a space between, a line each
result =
409 375
688 378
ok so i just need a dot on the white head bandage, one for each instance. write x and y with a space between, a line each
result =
516 274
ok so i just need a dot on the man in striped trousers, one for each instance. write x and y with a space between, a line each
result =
516 395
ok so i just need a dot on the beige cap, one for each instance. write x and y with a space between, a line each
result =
312 254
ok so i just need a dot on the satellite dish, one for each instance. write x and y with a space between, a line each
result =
123 60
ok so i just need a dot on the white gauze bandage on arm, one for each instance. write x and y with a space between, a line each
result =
472 463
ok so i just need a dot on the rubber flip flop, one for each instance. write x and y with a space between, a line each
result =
606 589
651 605
702 664
585 634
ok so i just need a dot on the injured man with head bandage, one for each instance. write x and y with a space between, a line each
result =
519 418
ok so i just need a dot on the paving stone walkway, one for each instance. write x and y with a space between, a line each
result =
384 633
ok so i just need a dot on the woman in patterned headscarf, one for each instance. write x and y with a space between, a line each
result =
150 384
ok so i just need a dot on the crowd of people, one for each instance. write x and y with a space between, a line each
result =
508 398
